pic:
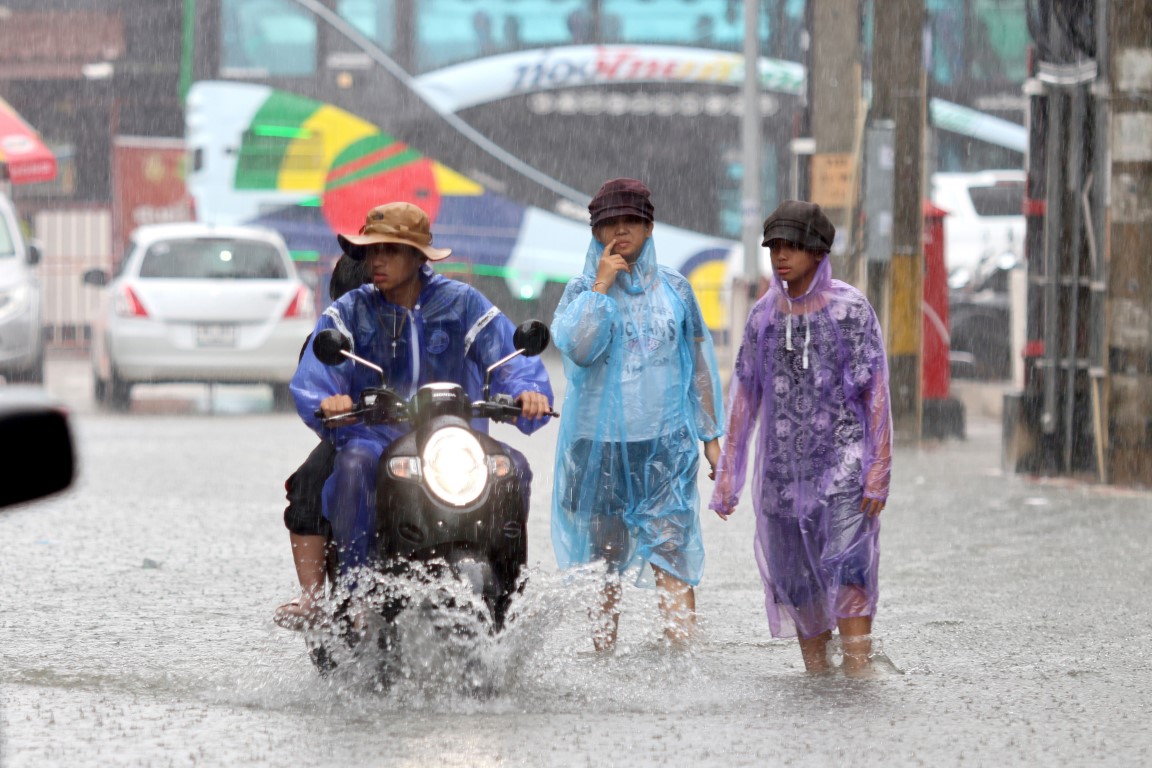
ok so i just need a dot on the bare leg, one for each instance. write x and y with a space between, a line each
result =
608 620
856 640
309 554
815 652
678 604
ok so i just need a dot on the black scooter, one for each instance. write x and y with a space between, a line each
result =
450 513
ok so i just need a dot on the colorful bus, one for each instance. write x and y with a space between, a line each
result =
501 117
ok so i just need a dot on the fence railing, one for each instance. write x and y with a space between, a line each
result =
73 240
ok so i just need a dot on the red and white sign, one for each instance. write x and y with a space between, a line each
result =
21 150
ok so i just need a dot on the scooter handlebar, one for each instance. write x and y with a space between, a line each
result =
502 408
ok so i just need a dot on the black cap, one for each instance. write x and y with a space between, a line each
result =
803 224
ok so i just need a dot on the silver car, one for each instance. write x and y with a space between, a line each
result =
198 303
21 337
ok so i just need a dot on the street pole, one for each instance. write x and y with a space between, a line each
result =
744 290
834 99
899 96
1129 284
750 146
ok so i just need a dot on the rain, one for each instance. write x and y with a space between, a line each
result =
1013 622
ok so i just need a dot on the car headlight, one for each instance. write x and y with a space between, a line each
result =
454 466
14 300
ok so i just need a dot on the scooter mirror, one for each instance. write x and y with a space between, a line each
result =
533 337
329 347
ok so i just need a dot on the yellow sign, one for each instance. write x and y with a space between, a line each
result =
831 180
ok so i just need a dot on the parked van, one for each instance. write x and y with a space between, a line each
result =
21 337
985 221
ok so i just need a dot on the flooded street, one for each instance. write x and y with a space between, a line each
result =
137 626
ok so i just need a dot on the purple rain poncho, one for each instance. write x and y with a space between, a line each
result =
643 393
813 372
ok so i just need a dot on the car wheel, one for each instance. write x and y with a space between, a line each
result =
119 393
282 400
36 374
100 390
32 375
984 339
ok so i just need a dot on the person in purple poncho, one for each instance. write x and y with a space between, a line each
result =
813 372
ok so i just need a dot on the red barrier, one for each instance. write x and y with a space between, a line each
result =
936 377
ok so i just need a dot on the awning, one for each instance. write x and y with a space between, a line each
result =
22 150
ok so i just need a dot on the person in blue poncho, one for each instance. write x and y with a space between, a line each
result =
643 394
419 327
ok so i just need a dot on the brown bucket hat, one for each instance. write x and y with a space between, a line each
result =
803 224
621 197
402 223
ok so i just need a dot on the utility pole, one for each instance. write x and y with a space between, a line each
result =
1129 281
750 145
834 99
898 96
744 290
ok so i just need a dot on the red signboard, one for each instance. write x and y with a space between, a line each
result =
147 186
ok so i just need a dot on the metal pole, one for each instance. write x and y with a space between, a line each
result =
1053 222
1098 197
750 146
1074 185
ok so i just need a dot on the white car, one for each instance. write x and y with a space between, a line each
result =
21 337
198 303
985 222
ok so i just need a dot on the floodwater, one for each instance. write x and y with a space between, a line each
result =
136 629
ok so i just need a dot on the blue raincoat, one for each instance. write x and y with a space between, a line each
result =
452 335
643 393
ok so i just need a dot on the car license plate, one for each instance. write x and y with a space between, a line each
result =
216 335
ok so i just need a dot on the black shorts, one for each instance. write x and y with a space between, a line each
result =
624 488
304 514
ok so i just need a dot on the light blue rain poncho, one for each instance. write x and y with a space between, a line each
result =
643 394
452 334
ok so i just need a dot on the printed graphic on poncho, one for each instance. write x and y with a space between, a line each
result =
655 342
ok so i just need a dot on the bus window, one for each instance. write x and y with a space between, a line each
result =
998 40
978 43
451 31
702 24
266 38
729 185
375 19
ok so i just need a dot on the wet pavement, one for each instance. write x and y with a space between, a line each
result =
136 625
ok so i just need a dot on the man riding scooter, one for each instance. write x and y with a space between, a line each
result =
419 327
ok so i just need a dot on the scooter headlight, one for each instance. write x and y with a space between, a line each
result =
454 466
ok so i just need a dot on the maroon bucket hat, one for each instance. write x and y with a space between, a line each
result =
622 197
